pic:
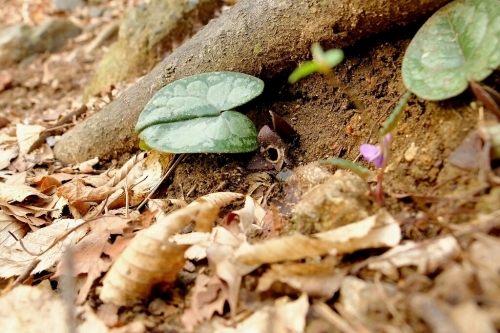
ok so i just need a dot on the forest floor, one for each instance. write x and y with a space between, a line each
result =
444 273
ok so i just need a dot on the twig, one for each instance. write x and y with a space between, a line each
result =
63 121
333 318
105 33
125 169
27 272
169 171
66 285
61 236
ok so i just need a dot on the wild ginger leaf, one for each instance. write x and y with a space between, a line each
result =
460 42
188 115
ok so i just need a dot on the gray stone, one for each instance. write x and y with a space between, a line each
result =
20 41
63 5
15 44
52 34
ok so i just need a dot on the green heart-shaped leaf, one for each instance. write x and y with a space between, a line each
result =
460 42
228 133
187 116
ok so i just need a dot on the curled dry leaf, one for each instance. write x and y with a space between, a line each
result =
427 256
379 230
8 154
286 316
12 192
10 224
83 167
315 279
87 254
76 191
14 259
151 258
141 178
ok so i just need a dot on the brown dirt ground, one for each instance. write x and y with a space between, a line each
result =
328 124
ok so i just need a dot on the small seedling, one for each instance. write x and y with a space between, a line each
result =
194 115
323 62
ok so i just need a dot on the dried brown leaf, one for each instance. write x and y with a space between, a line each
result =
427 256
87 253
14 259
10 224
7 154
83 167
77 191
314 279
141 178
19 193
151 258
209 297
286 316
239 221
27 135
379 230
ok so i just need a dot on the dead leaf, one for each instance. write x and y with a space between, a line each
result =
76 191
5 80
141 179
239 221
87 253
8 154
342 199
379 230
27 136
462 313
32 309
8 223
83 167
14 259
209 297
319 280
151 258
286 316
19 193
45 182
427 256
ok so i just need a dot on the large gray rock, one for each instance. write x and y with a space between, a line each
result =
20 41
63 5
145 34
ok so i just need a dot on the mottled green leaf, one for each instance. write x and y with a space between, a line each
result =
188 115
460 42
228 133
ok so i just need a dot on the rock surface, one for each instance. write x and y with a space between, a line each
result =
145 33
20 41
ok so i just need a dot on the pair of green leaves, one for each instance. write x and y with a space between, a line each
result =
193 115
459 43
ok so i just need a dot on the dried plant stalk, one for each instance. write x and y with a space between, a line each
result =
125 169
151 259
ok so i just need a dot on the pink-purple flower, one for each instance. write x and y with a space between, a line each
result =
377 154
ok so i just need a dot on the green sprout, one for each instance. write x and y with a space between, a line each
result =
322 63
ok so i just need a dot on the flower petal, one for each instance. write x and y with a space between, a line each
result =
369 152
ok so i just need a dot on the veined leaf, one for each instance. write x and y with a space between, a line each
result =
188 115
460 42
